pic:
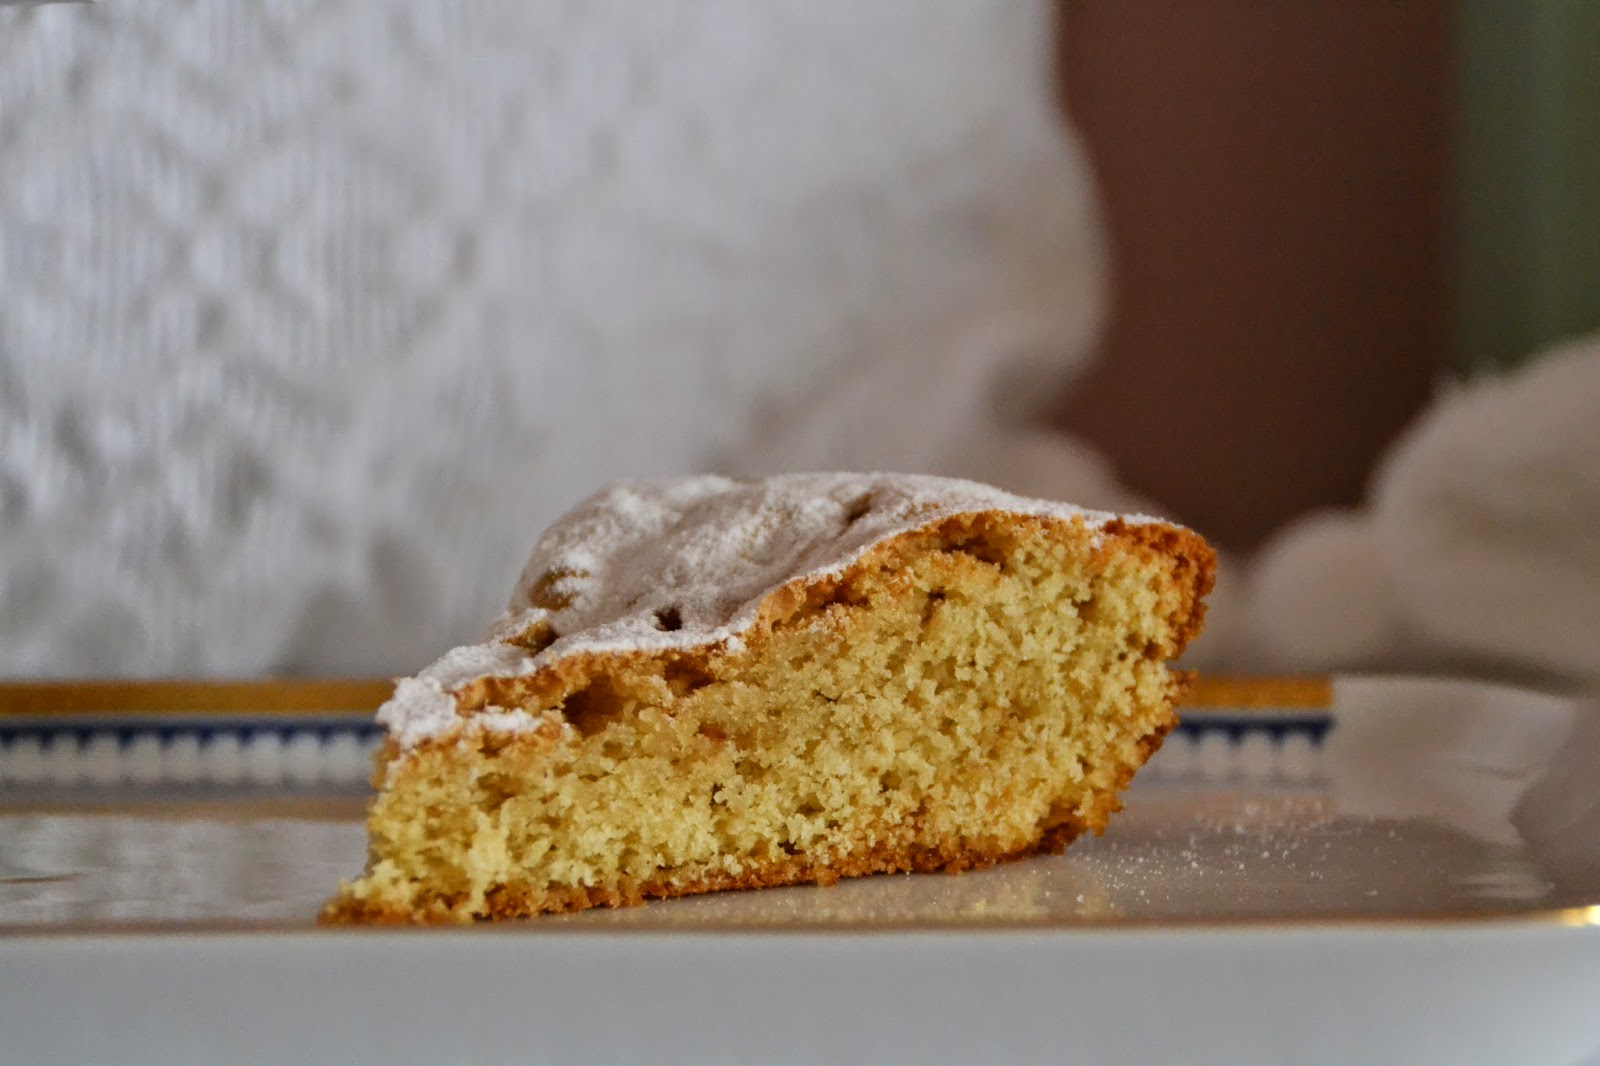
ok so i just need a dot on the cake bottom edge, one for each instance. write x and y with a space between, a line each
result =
513 901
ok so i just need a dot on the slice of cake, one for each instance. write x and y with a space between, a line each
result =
710 684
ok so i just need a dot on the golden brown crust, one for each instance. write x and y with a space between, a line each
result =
1194 574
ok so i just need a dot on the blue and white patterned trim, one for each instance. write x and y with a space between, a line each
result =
1218 745
1244 746
107 752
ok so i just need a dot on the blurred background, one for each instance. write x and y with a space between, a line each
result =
313 314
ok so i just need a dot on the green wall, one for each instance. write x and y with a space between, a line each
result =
1529 157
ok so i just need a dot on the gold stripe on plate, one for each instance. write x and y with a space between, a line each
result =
272 696
1576 917
1261 693
284 696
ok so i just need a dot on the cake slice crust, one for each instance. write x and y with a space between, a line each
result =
971 690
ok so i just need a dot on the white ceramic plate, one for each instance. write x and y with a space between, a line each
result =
1411 874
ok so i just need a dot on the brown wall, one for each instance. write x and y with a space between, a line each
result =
1274 176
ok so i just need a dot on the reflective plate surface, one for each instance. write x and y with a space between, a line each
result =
1403 800
1393 871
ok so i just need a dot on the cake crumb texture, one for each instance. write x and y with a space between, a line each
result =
971 690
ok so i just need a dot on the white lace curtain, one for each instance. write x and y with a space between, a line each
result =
313 312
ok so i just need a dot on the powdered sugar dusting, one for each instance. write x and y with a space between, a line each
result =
686 564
